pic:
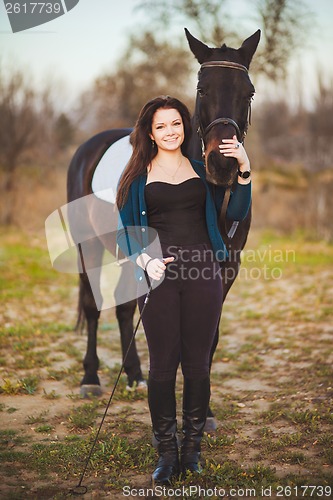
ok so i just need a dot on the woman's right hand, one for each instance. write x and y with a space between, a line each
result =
155 268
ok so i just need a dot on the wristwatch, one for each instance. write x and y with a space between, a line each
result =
244 175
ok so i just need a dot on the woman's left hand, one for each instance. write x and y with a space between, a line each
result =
234 149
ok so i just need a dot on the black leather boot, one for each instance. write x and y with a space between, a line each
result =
195 407
162 404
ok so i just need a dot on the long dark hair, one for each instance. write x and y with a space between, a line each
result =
143 149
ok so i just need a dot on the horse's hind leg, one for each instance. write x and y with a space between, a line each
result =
127 287
90 384
125 313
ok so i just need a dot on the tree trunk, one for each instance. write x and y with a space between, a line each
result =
8 198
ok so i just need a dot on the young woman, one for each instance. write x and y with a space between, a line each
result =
163 189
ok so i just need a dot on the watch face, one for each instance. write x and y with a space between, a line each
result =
245 175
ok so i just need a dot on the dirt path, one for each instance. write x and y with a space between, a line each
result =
272 386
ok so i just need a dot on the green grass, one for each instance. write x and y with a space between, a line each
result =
45 428
83 417
11 437
271 443
27 385
219 441
30 264
51 395
32 419
287 254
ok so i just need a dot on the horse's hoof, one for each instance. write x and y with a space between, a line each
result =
210 425
88 391
138 386
142 386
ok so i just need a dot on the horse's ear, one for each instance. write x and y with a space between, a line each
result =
199 49
249 46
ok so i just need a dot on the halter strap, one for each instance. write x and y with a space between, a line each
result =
224 64
224 121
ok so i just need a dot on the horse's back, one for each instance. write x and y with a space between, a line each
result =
90 218
85 160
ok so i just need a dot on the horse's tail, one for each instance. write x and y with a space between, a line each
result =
81 318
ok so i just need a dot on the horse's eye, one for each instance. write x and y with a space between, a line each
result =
200 91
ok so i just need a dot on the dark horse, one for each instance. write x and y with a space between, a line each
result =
222 109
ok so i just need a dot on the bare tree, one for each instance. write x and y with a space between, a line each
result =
64 131
299 135
146 69
284 23
209 18
17 129
320 124
28 129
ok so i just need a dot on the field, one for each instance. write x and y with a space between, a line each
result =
272 382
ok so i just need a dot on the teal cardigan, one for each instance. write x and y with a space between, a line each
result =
133 231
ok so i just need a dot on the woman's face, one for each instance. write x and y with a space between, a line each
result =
167 129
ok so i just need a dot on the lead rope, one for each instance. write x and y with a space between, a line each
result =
79 489
223 217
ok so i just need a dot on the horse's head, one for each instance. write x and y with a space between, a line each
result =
224 95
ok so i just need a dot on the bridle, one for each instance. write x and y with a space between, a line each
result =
203 131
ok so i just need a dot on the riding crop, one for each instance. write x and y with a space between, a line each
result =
79 488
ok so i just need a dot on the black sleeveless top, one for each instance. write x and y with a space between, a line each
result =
177 211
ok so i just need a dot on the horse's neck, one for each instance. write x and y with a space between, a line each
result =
194 150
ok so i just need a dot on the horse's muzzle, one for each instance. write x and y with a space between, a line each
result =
220 170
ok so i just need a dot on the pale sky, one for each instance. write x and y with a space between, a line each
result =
87 41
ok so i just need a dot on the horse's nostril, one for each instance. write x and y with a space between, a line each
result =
221 170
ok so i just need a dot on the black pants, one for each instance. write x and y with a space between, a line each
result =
183 312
